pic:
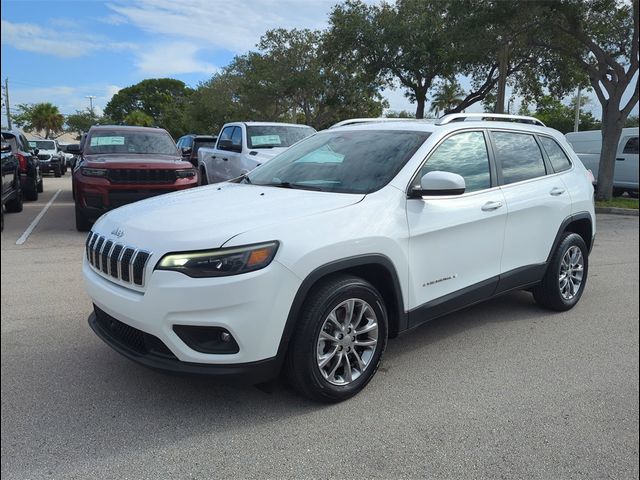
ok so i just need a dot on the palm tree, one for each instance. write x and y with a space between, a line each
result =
46 117
447 97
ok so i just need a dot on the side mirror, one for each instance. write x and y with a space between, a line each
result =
439 183
186 151
36 151
229 146
5 147
74 148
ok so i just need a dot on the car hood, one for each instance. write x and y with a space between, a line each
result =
207 217
141 161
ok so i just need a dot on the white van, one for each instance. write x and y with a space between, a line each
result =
588 146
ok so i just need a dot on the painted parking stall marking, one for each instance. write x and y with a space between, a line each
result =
32 226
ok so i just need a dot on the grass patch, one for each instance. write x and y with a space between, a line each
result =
619 203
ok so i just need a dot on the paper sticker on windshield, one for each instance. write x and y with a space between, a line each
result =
96 141
258 140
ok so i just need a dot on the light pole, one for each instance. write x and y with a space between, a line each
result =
91 97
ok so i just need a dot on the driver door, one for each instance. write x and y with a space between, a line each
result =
456 241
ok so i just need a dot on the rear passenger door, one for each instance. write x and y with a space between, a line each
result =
537 199
626 173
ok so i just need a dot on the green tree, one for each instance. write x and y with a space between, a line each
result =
600 38
632 121
447 97
406 42
163 99
400 114
138 118
40 117
557 115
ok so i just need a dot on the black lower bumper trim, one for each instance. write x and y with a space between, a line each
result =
251 373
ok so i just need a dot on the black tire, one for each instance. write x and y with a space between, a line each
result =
203 177
16 203
301 365
82 222
57 172
41 185
548 293
32 189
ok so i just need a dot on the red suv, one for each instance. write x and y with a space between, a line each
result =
119 165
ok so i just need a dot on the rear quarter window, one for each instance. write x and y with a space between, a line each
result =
559 160
631 146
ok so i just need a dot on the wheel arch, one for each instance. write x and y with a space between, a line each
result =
377 269
580 223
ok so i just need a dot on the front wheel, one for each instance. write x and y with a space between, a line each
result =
203 177
339 340
566 275
82 222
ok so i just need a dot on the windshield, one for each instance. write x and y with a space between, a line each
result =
344 162
269 136
42 145
130 142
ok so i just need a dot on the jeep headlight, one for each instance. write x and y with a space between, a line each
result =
220 262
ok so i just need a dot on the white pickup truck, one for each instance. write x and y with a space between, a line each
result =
243 146
588 146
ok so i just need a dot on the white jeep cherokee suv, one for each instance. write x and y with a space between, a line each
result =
353 235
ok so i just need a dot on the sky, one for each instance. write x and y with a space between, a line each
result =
65 51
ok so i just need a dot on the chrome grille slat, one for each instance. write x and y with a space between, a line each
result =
115 260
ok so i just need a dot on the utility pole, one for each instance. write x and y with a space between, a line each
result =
6 97
91 97
576 122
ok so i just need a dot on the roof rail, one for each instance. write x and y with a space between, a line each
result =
461 117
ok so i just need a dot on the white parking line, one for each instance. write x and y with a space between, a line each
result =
27 232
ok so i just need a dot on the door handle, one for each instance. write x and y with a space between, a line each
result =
490 206
620 159
556 191
225 159
213 157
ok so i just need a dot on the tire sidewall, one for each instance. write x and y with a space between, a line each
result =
571 240
363 291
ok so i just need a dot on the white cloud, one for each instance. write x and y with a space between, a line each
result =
236 26
57 42
112 19
171 59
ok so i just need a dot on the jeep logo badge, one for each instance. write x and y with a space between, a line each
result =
118 232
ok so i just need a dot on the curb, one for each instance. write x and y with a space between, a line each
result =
630 212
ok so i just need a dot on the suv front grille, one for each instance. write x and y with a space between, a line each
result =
141 176
119 261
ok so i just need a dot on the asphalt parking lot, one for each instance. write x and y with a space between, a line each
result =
501 390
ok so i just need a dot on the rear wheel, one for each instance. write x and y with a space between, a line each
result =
82 222
31 189
41 184
15 204
57 172
339 340
566 275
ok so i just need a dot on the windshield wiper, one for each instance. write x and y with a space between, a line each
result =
300 186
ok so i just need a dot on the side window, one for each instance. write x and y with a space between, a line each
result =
519 155
236 138
25 144
188 142
631 146
226 134
179 144
465 154
558 158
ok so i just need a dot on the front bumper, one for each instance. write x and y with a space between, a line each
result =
252 307
149 351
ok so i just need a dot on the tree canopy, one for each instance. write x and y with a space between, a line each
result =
40 117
